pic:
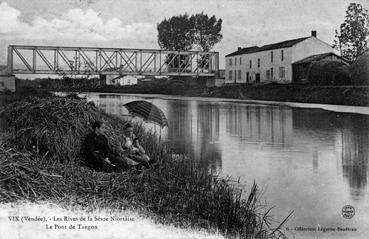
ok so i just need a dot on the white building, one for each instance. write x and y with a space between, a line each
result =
121 80
271 62
7 82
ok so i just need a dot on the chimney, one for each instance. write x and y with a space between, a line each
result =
313 33
239 48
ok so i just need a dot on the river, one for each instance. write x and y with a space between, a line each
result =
307 160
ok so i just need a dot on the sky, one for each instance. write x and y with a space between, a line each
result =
132 23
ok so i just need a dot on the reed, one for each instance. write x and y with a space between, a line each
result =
41 161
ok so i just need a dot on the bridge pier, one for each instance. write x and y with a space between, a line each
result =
7 82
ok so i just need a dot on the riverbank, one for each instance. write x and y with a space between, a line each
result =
40 161
335 95
354 95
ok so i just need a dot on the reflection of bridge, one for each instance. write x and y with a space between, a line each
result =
109 61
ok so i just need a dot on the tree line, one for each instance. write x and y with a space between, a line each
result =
198 32
202 32
353 35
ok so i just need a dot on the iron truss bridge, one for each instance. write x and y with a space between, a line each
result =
109 61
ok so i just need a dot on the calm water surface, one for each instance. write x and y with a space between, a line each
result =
310 161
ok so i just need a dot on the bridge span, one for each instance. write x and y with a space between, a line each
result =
24 59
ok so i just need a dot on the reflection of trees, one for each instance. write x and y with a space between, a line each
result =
194 130
209 136
315 119
354 132
256 123
355 143
180 127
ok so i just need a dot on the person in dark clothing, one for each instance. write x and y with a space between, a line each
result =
97 151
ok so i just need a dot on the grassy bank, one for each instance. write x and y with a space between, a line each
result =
324 94
336 95
40 160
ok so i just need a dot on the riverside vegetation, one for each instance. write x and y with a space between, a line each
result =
356 95
40 161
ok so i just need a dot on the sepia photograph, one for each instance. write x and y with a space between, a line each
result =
201 119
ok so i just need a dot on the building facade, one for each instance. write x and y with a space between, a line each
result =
271 62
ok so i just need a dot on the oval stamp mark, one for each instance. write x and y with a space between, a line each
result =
348 212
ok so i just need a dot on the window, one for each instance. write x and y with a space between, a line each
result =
239 74
230 75
257 78
271 56
271 73
247 77
235 75
250 63
230 61
235 61
282 55
240 61
268 74
258 62
282 72
1 83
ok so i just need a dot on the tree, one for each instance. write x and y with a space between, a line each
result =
353 35
206 31
176 33
183 33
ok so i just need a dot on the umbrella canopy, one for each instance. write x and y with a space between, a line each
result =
147 111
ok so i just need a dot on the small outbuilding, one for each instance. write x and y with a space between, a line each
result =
327 68
121 80
329 73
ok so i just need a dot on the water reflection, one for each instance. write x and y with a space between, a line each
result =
350 135
355 143
253 123
306 149
194 130
208 122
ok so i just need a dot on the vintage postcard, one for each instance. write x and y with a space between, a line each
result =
184 119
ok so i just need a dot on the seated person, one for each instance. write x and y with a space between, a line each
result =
97 151
136 153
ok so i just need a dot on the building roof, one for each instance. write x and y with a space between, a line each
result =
283 44
246 50
317 57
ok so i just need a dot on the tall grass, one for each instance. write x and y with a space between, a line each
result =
41 161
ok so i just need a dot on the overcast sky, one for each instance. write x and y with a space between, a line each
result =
132 23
